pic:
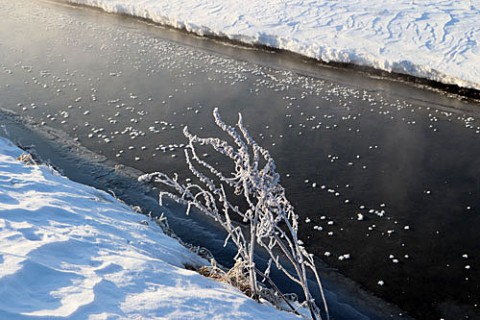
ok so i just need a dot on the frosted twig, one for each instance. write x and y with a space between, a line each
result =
271 219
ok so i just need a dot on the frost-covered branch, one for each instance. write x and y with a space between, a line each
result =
271 219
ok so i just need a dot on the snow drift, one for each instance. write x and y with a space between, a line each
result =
71 251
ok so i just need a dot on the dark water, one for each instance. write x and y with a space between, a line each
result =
381 171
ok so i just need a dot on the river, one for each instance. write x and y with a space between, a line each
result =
381 171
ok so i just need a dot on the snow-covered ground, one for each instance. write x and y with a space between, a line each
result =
71 251
436 40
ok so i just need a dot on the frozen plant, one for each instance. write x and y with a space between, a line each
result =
272 221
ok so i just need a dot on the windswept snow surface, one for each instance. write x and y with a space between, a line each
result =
71 251
436 40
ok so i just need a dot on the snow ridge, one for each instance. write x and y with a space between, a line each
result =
435 40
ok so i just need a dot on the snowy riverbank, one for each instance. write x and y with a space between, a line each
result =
435 40
71 251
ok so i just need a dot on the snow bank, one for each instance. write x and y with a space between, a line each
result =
436 40
71 251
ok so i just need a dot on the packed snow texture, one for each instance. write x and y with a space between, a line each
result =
71 251
436 40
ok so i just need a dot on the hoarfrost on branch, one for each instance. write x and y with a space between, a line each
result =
272 221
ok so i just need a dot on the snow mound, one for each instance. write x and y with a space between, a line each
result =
71 251
435 40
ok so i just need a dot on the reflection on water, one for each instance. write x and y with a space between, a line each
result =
385 176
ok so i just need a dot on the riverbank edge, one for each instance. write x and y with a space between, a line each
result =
454 90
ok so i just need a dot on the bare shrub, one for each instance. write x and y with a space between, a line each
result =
272 221
27 159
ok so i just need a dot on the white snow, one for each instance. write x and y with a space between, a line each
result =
71 251
436 40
